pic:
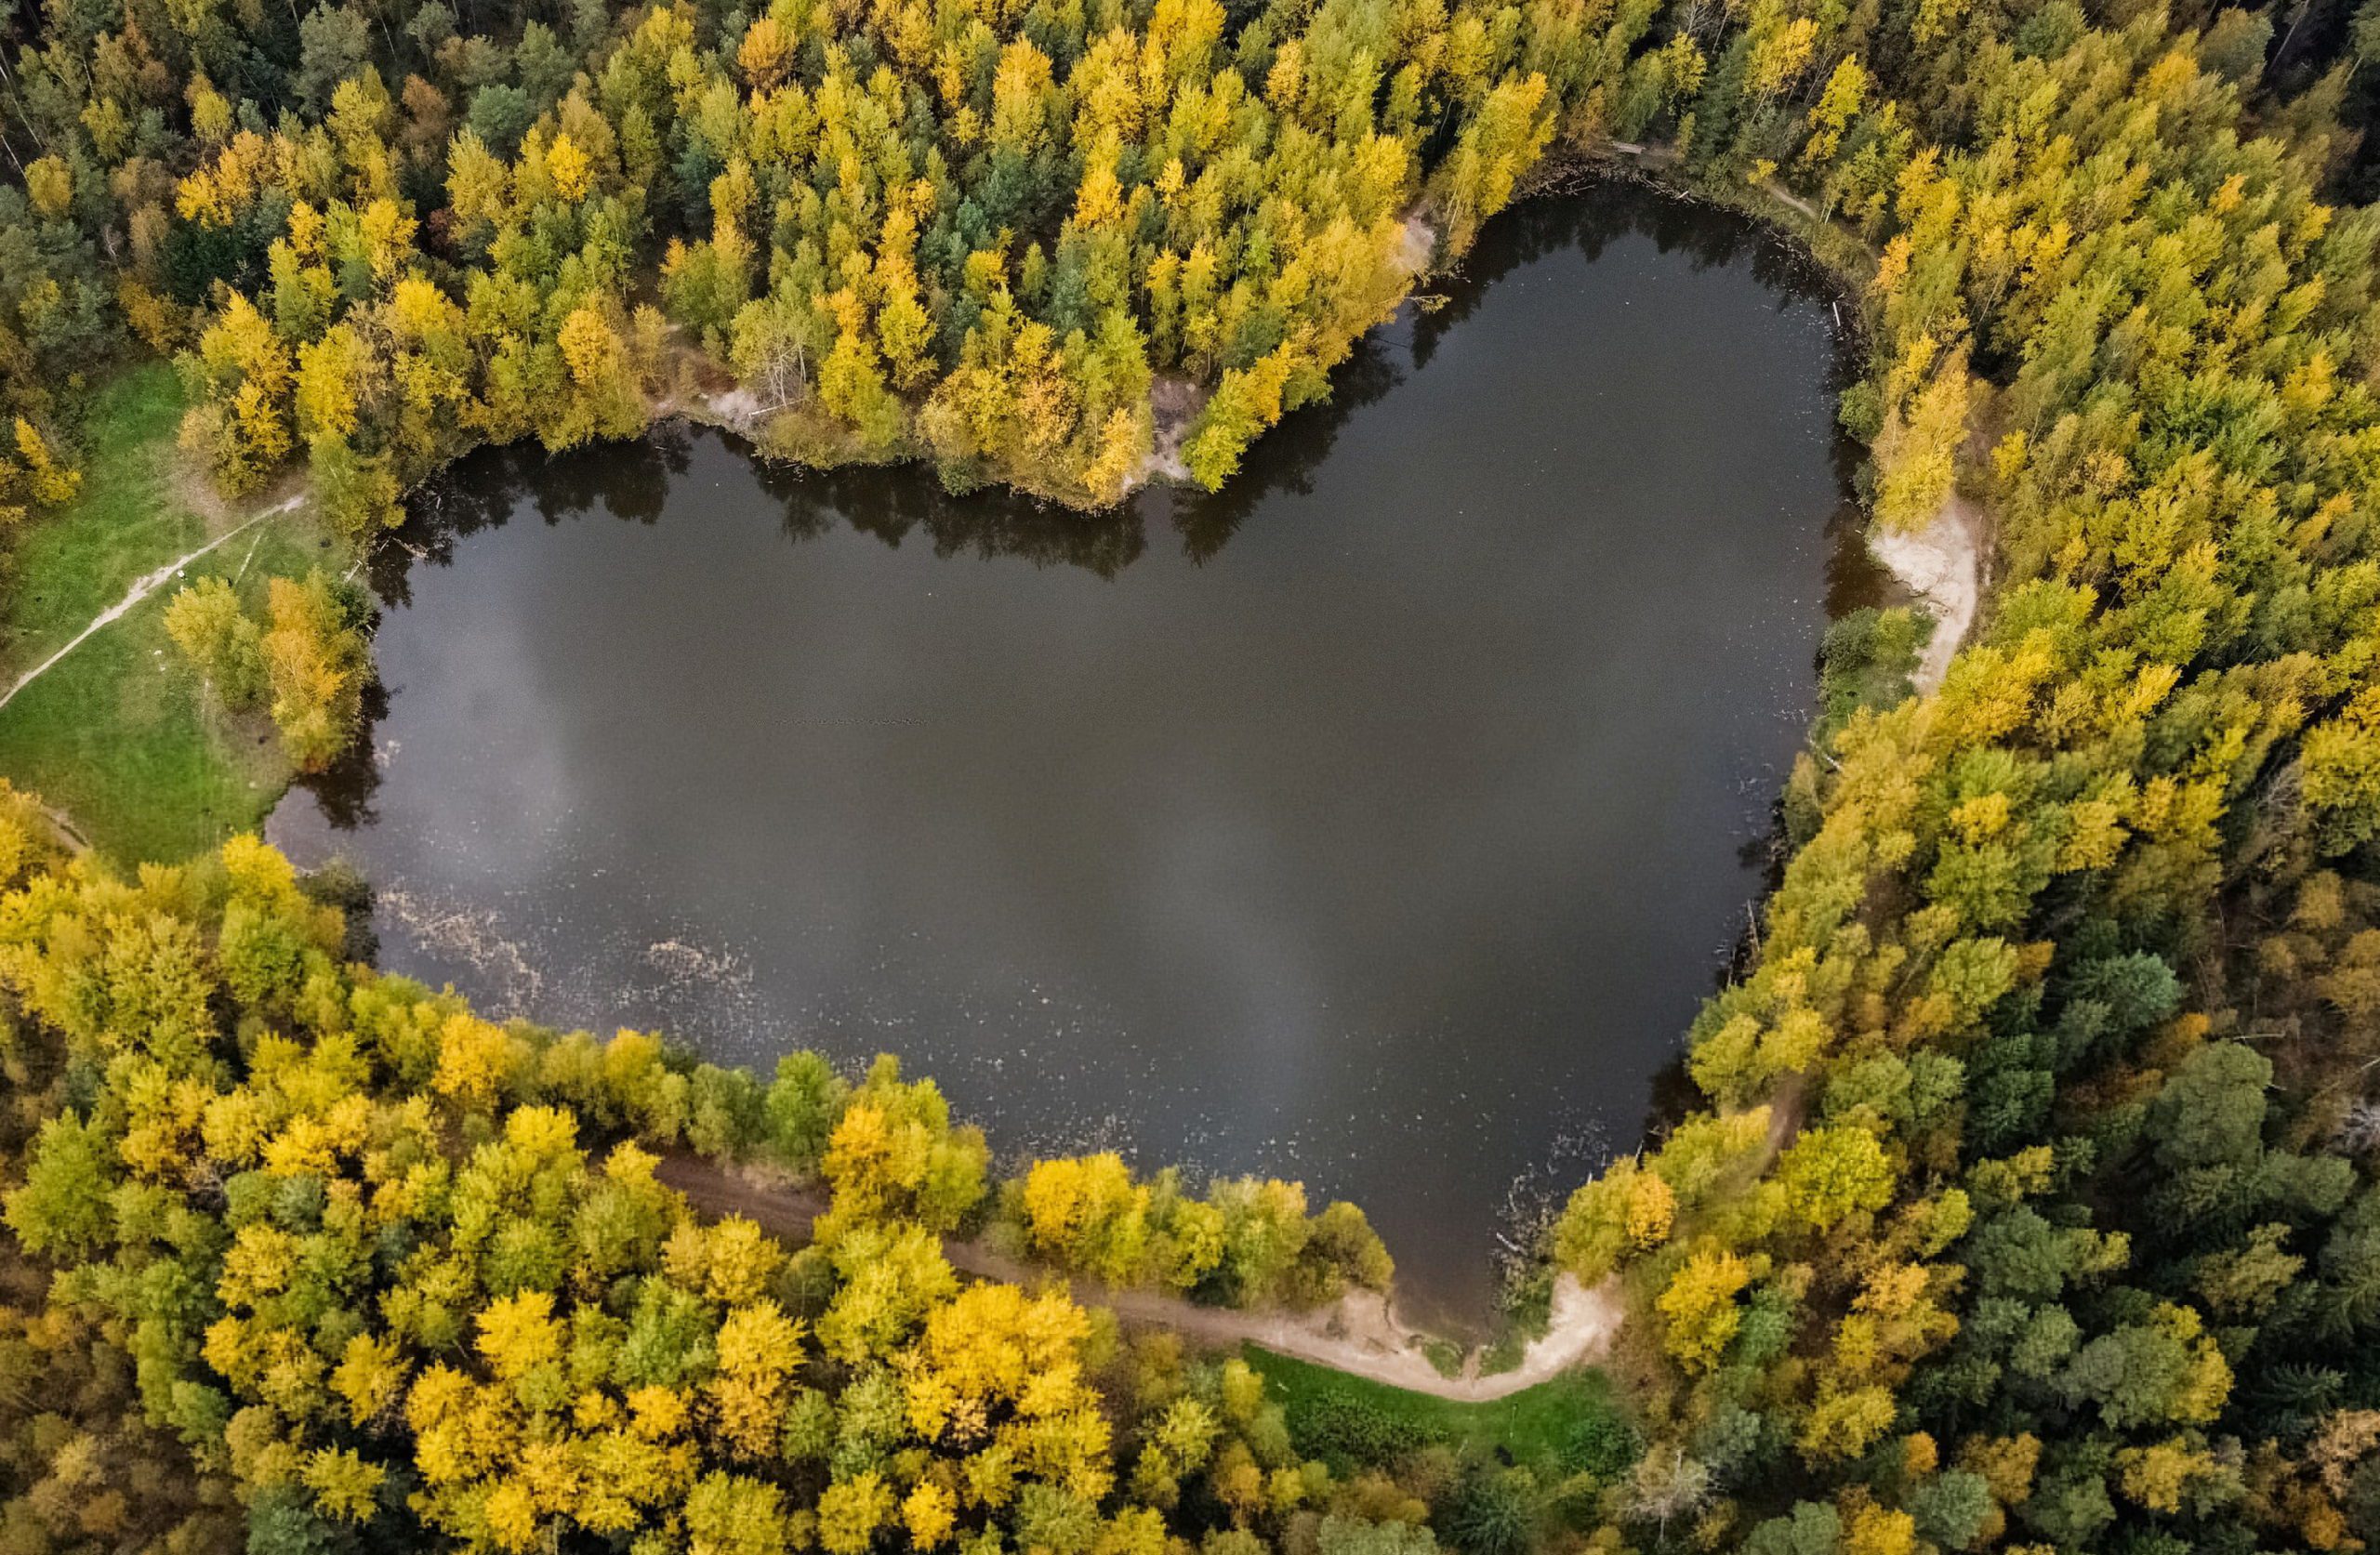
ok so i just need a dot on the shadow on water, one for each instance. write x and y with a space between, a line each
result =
906 509
632 481
346 788
1605 211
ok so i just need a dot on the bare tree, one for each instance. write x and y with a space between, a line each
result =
1669 1484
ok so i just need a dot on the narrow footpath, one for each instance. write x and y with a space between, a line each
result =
1361 1336
142 587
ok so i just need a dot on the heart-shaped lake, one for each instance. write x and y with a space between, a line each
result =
1379 822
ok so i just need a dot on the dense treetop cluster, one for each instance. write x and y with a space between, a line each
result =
2076 1244
978 233
340 1259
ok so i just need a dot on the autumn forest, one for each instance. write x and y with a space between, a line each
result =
2025 1192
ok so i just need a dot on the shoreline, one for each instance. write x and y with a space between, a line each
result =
1380 1344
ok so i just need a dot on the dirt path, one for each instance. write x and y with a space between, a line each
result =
1361 1336
142 588
1786 197
68 832
1942 565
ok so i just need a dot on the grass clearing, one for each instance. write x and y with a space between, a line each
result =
1332 1414
72 564
118 734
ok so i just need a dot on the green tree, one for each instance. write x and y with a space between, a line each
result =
220 639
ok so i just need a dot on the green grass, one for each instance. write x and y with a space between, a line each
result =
75 563
117 734
1540 1427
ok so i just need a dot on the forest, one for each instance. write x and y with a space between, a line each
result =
2031 1198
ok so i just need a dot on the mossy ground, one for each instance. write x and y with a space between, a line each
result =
118 735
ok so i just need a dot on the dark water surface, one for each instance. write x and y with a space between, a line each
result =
1379 824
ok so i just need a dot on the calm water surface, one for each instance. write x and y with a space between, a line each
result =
1379 824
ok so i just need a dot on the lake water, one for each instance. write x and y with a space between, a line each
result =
1378 823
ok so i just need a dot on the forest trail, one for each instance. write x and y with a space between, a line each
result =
1792 200
142 587
1942 565
1362 1335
